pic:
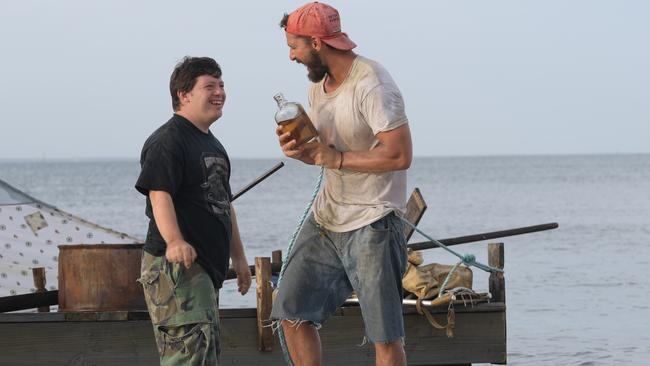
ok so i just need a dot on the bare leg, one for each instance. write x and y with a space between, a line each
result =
303 343
390 354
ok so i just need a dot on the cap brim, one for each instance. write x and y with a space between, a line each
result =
340 42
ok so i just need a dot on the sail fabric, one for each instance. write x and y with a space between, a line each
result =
30 233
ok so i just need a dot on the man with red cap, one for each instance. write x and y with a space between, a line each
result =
353 239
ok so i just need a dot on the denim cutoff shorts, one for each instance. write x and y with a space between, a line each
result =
324 268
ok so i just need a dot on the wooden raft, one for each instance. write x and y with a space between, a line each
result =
126 337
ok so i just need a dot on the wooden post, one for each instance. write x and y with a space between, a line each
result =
497 280
39 284
276 259
264 302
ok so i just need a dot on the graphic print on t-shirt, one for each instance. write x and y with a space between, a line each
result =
214 189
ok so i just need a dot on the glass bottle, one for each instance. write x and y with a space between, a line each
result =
293 119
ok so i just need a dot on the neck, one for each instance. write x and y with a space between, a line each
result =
339 65
203 126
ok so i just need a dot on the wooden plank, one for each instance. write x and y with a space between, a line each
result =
28 301
479 338
106 316
92 316
31 317
223 313
415 208
78 343
264 303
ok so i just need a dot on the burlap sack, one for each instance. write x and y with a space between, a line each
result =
425 281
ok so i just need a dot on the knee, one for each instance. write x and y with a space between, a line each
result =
295 325
390 347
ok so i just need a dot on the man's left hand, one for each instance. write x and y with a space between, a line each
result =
243 276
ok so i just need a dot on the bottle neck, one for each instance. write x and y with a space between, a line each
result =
279 98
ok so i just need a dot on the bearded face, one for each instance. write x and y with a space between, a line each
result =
315 67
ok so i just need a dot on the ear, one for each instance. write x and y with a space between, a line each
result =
316 43
183 96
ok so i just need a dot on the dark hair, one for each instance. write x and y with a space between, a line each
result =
283 25
284 21
185 73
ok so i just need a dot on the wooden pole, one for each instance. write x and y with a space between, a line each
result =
497 280
483 236
39 284
258 180
264 303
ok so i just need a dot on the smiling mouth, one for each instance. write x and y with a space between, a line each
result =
217 102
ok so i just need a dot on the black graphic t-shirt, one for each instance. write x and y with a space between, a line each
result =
194 169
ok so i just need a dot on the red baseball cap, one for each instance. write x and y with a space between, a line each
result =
322 21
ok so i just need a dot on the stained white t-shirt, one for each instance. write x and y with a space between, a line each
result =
366 103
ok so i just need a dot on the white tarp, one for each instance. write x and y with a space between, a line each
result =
30 232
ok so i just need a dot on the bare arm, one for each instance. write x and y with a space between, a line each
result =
394 152
238 257
178 250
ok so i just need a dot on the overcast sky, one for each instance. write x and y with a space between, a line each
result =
89 79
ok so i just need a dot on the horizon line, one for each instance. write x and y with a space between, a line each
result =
89 159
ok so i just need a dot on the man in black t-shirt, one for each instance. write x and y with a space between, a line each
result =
185 176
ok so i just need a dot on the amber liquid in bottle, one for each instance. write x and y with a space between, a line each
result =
291 117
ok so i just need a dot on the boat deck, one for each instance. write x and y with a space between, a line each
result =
126 338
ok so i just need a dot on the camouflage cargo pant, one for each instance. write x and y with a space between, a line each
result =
183 306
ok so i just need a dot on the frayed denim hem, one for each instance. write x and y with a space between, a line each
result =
367 340
295 323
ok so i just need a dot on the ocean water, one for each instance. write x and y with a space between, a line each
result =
576 295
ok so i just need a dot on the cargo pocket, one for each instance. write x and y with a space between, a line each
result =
189 343
158 293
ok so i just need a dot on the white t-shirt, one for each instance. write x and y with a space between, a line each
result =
366 103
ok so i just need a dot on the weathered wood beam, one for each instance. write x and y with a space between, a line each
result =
415 208
28 301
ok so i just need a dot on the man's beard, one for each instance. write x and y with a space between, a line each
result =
316 68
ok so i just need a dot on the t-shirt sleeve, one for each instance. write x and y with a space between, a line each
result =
161 169
383 108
